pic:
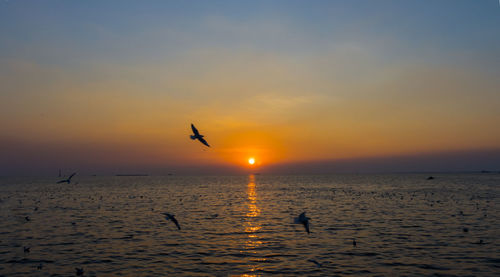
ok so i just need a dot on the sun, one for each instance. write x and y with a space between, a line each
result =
251 161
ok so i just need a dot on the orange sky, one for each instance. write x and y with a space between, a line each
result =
124 89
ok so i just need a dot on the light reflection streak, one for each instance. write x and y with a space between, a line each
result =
252 226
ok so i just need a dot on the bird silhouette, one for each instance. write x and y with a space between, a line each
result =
174 220
315 262
198 136
302 219
67 180
79 271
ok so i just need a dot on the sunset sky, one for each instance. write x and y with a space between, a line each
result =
113 86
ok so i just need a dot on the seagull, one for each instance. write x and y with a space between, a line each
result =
213 216
79 271
315 262
67 180
480 242
302 219
171 217
198 136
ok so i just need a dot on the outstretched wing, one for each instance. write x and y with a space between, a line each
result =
174 220
176 223
195 131
202 140
71 176
62 181
306 225
168 216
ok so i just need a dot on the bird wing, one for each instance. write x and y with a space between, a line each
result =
306 225
174 220
302 217
195 131
202 140
176 223
62 181
315 262
169 216
71 176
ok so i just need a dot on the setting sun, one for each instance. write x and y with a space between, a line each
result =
251 161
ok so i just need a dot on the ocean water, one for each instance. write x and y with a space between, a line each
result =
403 225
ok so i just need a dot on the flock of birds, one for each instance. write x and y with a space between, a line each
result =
196 136
301 219
391 197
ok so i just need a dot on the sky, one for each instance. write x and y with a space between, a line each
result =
112 86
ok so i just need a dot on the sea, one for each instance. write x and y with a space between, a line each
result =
360 225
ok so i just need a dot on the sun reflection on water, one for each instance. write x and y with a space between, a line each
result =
253 210
252 225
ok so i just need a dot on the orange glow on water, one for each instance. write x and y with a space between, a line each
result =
252 225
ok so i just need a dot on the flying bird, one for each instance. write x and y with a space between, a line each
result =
172 217
67 180
315 262
304 220
198 136
79 271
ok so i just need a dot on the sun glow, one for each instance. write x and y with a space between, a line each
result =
251 161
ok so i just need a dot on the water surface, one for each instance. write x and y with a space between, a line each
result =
403 224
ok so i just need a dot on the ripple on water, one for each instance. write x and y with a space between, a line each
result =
112 226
